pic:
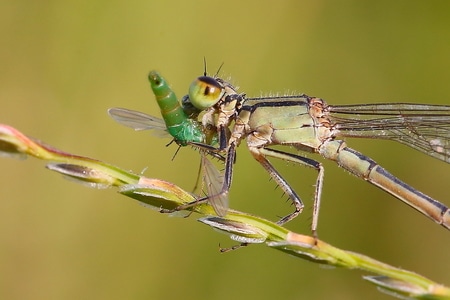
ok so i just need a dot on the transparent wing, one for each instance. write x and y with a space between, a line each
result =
214 182
423 127
138 120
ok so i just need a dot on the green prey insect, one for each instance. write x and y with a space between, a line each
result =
309 124
180 123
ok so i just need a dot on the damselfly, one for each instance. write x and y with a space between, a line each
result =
310 124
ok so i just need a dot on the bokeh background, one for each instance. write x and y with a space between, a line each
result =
64 63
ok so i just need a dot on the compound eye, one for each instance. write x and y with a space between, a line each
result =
205 91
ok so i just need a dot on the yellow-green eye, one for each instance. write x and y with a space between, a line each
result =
205 91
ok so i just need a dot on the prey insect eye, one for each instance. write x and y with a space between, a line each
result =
205 91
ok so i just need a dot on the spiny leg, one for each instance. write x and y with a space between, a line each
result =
223 194
260 155
185 206
232 248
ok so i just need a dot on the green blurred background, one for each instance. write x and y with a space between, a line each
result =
63 63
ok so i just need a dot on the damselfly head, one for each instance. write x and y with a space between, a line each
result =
205 92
